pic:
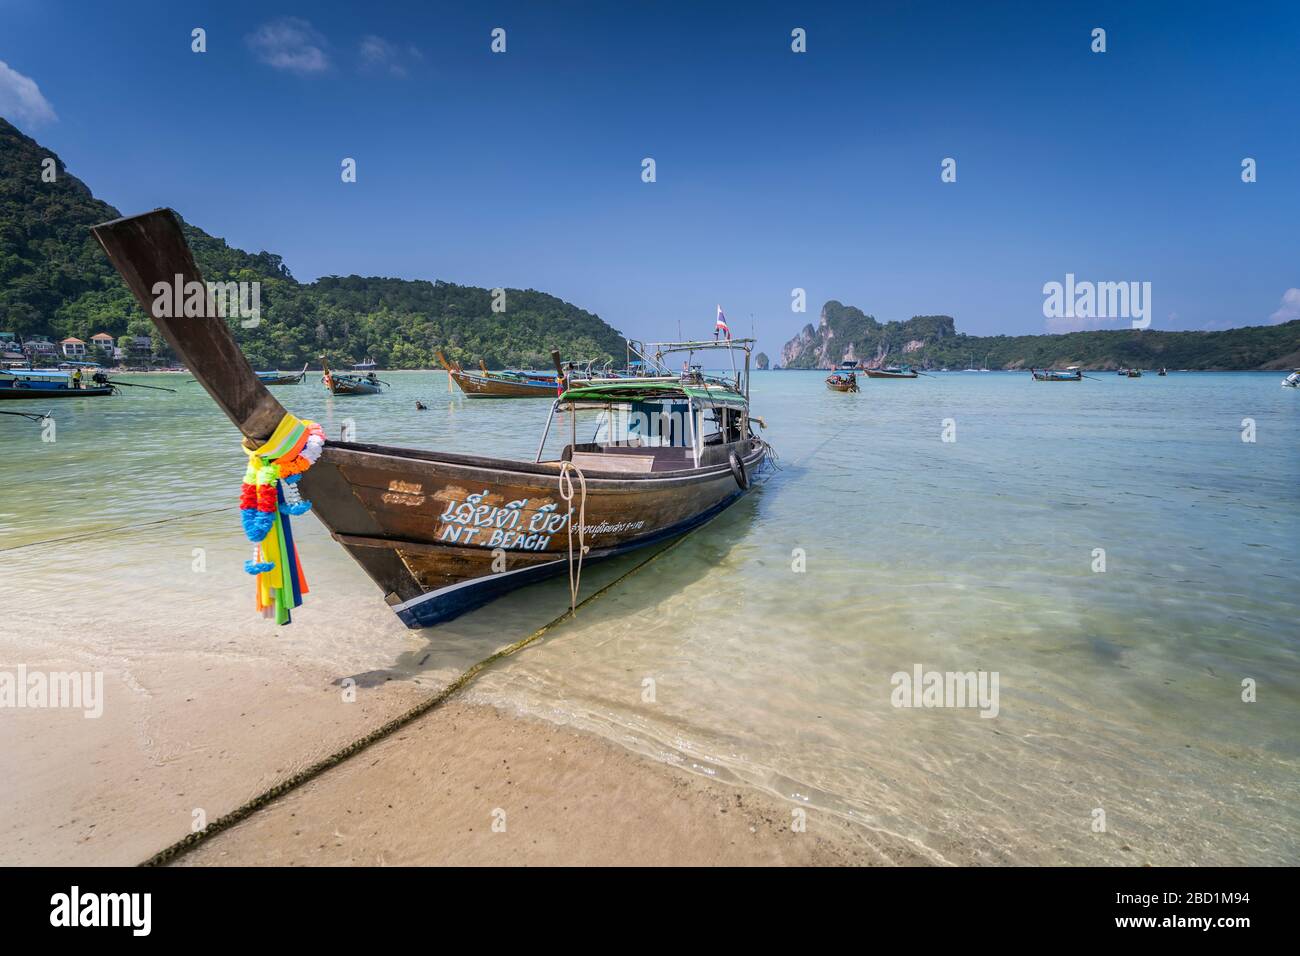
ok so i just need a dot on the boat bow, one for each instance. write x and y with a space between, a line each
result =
149 250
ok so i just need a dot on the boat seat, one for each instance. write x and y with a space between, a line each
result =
599 461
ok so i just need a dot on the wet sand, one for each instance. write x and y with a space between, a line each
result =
201 734
470 786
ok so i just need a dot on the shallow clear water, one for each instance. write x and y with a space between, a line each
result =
1120 691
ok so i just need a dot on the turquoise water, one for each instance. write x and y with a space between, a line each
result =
1120 690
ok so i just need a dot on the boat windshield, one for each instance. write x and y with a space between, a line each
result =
670 421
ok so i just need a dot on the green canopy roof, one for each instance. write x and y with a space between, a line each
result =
631 390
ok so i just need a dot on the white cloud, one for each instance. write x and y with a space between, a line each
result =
1290 309
290 44
20 98
378 54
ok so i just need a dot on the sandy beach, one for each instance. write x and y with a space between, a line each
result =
205 736
469 785
201 713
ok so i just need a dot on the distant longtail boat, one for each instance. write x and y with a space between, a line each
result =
282 378
504 384
842 382
892 371
20 383
1071 374
345 384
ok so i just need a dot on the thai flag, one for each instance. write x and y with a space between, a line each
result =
721 325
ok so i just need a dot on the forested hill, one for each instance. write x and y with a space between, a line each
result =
56 281
844 332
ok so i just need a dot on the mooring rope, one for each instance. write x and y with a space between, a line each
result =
119 529
241 813
566 482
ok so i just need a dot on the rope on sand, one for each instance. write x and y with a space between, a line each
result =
192 840
118 530
306 775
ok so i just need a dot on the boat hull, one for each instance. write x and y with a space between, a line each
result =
876 373
44 393
441 534
279 379
355 388
482 386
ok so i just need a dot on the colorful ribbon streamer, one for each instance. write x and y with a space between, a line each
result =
268 496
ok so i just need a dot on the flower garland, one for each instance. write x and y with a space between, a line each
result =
267 497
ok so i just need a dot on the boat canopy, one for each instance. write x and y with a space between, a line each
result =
35 373
633 390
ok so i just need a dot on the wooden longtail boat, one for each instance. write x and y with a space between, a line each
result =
441 533
1071 374
1292 380
26 383
1134 373
904 371
842 382
282 378
486 384
344 384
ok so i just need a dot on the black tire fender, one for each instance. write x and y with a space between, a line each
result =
738 471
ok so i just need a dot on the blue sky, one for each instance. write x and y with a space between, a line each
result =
775 170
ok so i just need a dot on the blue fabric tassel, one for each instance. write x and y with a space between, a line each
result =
257 524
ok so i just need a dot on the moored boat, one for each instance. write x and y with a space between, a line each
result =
345 384
28 383
282 378
1071 374
891 371
502 384
1134 373
842 382
440 533
1292 380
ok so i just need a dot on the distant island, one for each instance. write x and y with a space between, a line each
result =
846 333
56 284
